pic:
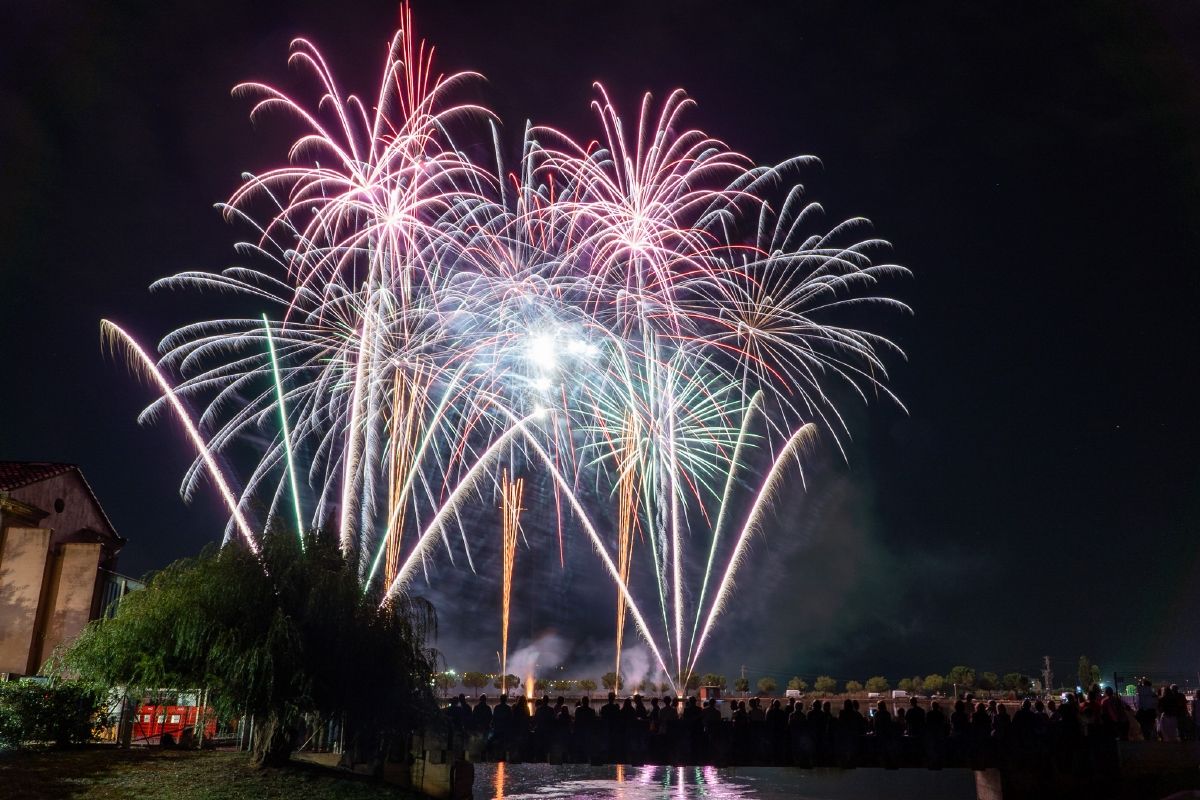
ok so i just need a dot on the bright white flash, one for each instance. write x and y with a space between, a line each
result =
542 352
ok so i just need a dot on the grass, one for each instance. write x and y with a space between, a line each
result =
105 772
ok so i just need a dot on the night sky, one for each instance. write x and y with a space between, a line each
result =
1036 165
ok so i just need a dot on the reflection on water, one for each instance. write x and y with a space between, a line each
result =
619 782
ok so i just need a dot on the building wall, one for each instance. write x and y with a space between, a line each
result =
69 600
79 510
23 556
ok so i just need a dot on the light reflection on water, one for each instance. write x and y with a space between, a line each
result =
619 782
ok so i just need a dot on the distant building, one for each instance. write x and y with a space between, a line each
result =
58 555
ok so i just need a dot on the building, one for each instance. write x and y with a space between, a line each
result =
58 554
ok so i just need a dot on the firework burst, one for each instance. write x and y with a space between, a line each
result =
628 316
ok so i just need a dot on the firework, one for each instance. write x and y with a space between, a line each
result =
634 316
511 492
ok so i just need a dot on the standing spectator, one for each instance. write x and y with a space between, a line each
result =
1147 709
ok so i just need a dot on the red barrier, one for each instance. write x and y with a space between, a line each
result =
152 722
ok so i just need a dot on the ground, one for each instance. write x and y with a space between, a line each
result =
106 773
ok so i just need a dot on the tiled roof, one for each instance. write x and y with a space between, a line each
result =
15 474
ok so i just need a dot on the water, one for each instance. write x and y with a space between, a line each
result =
619 782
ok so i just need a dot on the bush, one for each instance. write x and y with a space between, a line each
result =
63 713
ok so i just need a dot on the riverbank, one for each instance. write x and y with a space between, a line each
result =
104 772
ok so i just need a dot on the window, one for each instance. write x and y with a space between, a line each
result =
59 505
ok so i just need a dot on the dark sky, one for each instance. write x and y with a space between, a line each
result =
1037 166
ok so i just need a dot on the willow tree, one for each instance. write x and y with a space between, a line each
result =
283 635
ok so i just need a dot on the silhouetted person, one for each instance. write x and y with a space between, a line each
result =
585 729
502 716
850 728
937 732
481 715
777 732
800 737
1147 709
610 721
981 736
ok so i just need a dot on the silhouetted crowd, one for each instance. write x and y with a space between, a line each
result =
1081 732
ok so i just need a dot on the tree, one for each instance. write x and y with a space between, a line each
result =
665 687
712 679
692 683
1089 673
587 685
1015 682
797 684
286 635
962 677
646 685
825 685
475 680
877 683
767 685
918 684
934 683
541 684
906 685
853 687
987 681
741 684
509 682
445 681
562 685
612 682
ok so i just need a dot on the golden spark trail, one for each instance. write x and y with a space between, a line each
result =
408 397
627 505
510 521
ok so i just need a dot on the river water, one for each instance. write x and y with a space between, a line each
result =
552 782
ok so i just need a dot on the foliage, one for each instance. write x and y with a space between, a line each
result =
878 683
1089 673
611 682
475 680
767 685
934 683
509 682
987 681
587 685
741 684
562 684
853 686
962 677
61 712
825 685
647 685
693 681
283 635
906 685
445 681
713 679
796 683
1015 682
